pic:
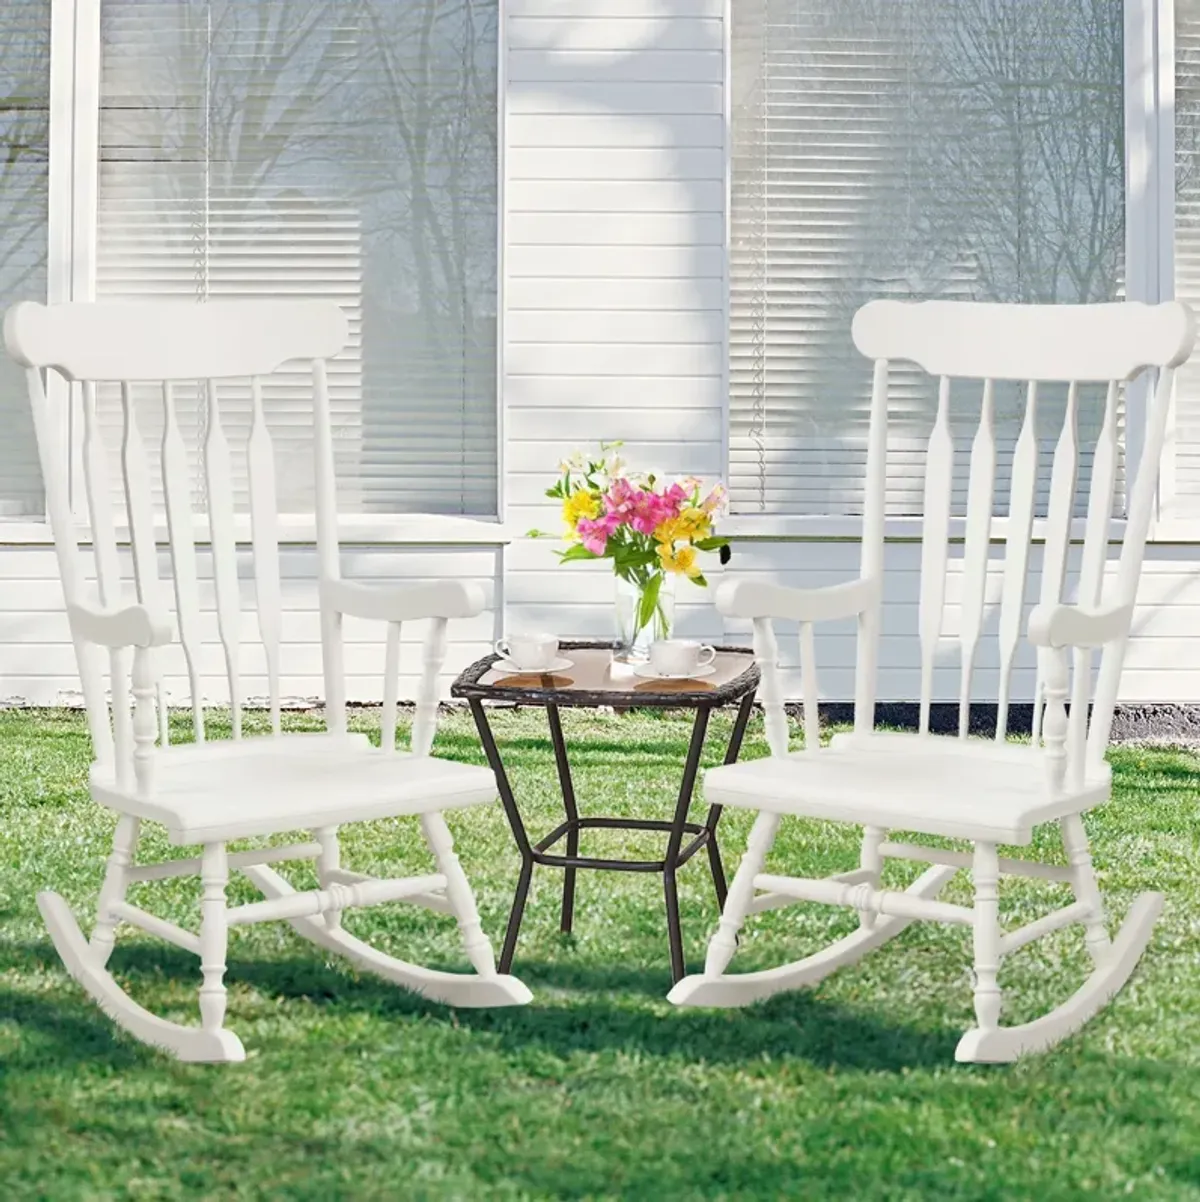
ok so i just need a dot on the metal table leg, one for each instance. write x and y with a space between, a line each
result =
675 842
572 812
714 812
677 853
519 834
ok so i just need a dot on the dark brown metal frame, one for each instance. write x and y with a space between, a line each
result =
677 853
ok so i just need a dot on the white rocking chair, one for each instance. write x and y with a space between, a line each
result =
211 792
987 792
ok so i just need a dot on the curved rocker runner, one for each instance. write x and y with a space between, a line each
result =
992 792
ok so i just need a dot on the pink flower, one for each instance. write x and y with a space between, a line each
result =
715 499
650 510
619 499
594 533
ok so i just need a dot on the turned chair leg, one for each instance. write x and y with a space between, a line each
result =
871 861
1083 881
116 882
985 872
741 893
328 862
214 935
460 894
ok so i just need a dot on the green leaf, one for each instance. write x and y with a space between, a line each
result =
649 601
536 534
634 557
710 544
575 552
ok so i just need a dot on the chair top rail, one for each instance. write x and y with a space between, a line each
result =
977 340
182 340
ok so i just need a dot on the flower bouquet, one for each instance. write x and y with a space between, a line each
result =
652 531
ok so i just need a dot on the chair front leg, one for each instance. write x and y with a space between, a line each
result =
741 894
116 882
459 892
328 862
214 935
985 872
871 861
1083 882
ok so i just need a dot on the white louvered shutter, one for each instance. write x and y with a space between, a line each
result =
912 149
24 157
341 149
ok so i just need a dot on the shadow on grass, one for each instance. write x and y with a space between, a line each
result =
61 1034
601 1014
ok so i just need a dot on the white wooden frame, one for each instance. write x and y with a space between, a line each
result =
87 343
1057 779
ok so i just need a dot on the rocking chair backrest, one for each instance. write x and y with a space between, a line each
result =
175 346
1076 345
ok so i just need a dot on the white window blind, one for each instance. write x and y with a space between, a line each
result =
24 154
329 149
906 148
1187 249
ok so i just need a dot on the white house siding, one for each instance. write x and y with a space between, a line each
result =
1162 661
37 659
614 315
614 268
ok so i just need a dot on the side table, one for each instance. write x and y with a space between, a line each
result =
594 680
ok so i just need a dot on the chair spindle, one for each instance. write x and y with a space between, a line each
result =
939 478
260 461
977 542
218 471
176 476
1022 494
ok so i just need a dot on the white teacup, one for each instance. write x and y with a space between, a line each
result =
530 652
680 657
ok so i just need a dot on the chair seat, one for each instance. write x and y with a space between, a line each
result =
233 789
932 784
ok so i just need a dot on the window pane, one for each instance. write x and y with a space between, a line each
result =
256 148
24 141
966 149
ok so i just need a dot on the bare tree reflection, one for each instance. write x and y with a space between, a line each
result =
916 148
24 155
343 149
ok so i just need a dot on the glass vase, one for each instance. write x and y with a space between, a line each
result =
642 619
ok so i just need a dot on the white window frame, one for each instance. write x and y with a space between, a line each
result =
1149 258
73 175
1168 526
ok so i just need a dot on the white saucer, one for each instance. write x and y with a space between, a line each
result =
646 672
506 665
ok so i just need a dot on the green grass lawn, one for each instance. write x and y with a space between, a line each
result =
354 1089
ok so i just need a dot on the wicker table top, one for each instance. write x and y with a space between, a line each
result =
593 679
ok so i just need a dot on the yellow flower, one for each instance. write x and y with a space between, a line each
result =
693 523
580 504
667 532
690 525
682 560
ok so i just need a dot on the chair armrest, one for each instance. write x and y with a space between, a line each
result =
760 599
403 603
1070 626
133 626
